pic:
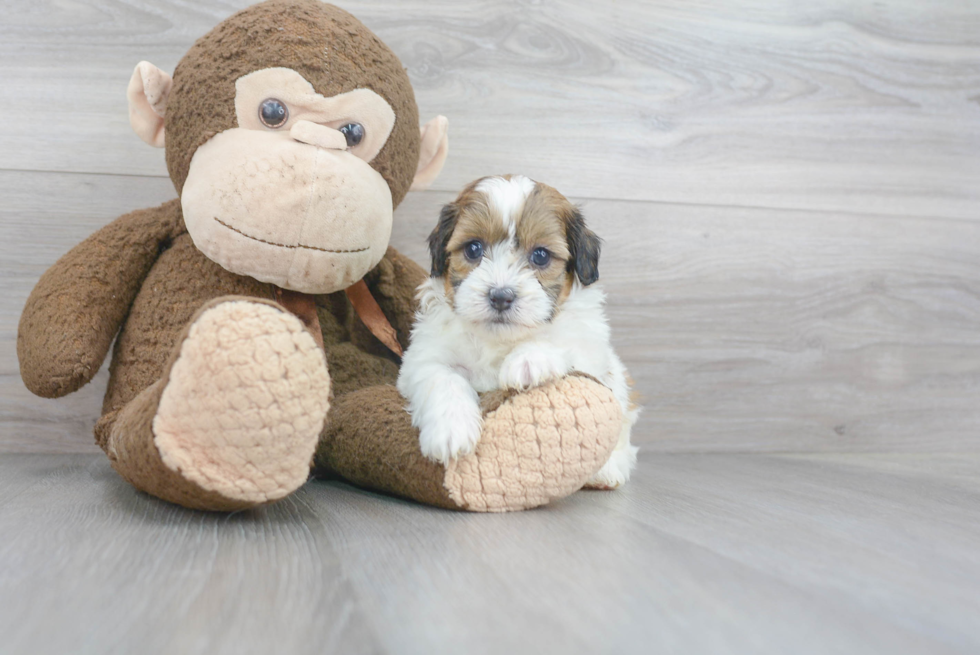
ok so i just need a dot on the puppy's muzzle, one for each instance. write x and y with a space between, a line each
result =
501 298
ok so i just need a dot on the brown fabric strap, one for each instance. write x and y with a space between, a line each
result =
369 311
304 307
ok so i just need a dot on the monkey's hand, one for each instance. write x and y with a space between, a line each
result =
79 304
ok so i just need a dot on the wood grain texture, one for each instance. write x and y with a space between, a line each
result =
745 329
90 566
835 105
699 554
773 330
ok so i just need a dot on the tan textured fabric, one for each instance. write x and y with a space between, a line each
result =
236 441
536 446
305 105
148 90
245 402
127 438
263 204
317 135
433 153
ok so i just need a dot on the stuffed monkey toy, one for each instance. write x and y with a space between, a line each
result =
259 317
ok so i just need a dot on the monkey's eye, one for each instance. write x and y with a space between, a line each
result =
353 132
273 113
473 250
540 257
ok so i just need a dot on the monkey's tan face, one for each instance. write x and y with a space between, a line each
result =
288 196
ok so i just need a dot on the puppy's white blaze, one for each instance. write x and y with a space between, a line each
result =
503 267
507 197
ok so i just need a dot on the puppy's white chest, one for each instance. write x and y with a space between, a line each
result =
481 367
483 380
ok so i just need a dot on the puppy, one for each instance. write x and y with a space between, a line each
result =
512 303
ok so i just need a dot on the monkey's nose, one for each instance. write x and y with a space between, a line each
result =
318 135
501 298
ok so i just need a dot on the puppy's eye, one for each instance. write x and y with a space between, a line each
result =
273 113
540 257
354 133
473 250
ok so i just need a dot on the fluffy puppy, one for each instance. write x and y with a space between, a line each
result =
512 303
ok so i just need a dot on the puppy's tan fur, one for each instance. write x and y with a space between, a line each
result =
542 222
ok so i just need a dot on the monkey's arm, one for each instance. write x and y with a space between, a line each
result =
78 305
393 283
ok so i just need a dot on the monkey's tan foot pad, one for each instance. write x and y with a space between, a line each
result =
244 403
537 446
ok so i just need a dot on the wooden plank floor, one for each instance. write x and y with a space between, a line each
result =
703 553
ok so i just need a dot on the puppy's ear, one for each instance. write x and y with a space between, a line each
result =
583 248
439 239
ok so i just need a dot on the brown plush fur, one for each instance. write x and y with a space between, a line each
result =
78 305
178 284
334 51
360 445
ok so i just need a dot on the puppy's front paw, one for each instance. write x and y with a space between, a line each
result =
530 367
453 429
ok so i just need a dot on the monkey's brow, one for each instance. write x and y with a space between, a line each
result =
286 245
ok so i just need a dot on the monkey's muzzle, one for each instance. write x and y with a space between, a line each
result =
304 216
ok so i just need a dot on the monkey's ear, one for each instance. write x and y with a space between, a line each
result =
432 154
149 88
439 239
583 248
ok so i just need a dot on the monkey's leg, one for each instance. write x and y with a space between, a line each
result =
234 420
536 446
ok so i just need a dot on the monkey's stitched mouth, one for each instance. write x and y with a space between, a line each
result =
287 245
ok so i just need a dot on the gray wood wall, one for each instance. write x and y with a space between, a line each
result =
789 192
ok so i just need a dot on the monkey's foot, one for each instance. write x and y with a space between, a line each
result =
536 446
245 403
234 422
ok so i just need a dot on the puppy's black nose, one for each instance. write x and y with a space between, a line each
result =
501 298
